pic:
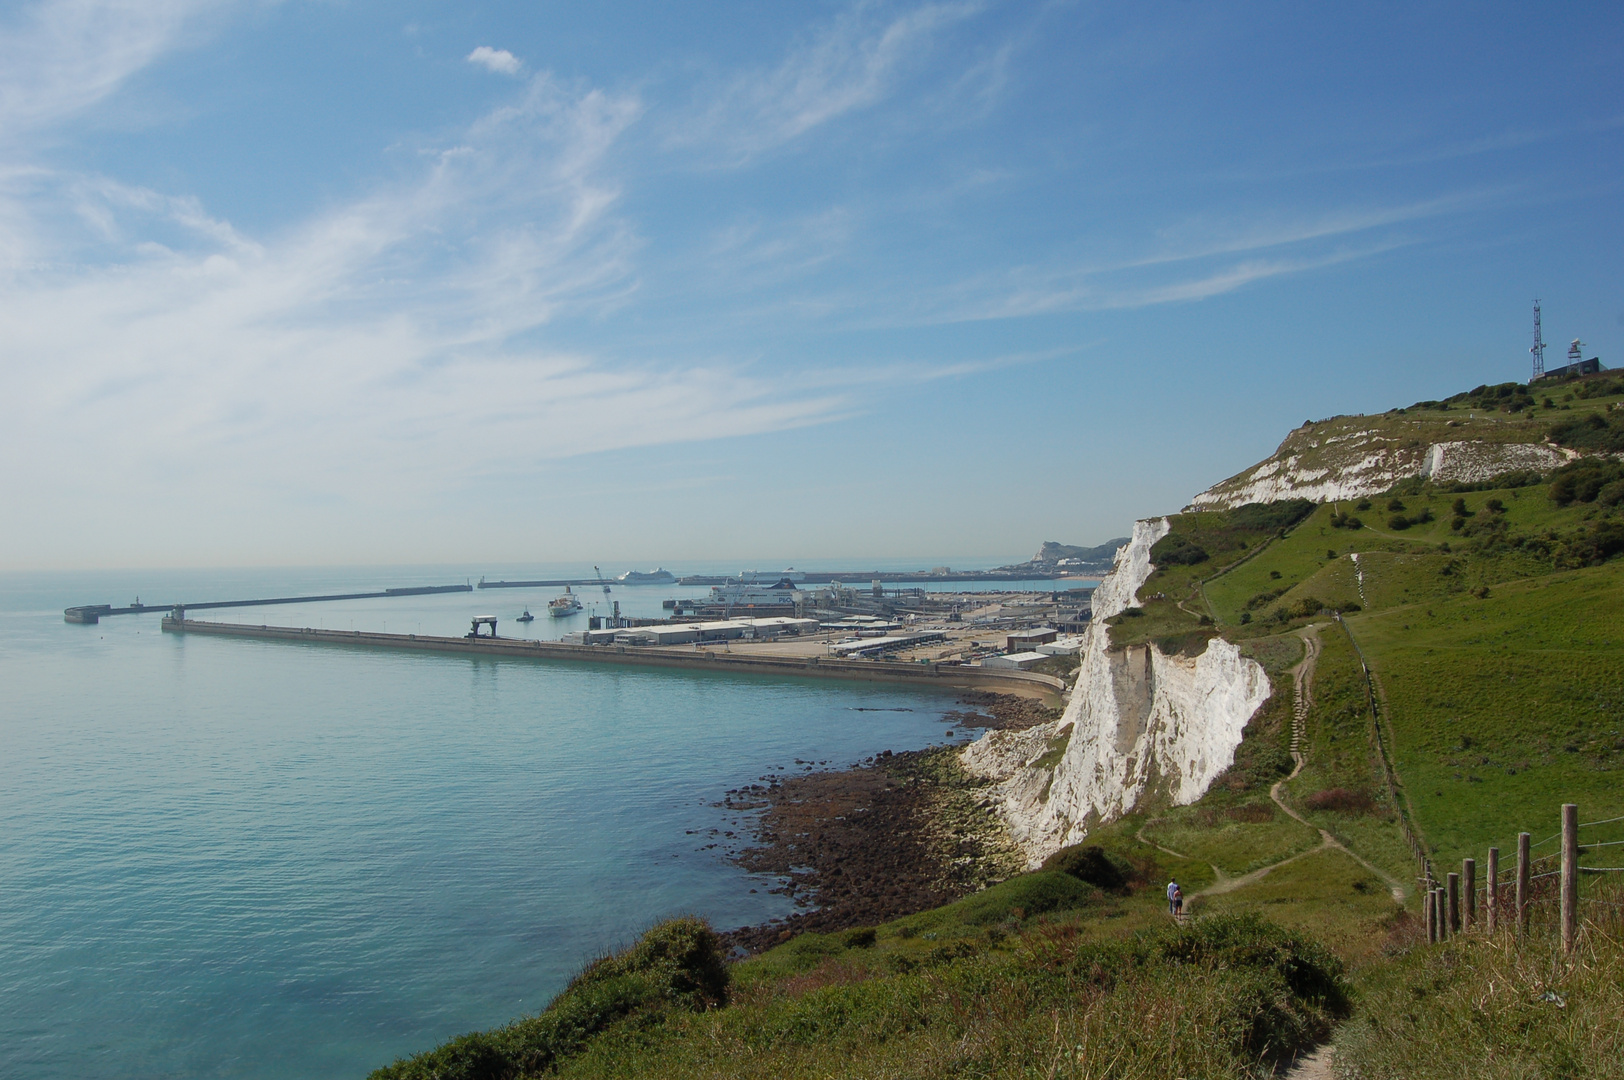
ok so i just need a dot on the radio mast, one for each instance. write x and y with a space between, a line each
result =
1539 346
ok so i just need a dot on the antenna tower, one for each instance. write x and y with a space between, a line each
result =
1539 346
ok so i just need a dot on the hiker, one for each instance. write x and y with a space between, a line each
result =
1172 891
1178 903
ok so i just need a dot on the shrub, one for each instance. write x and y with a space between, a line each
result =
1176 550
678 963
1395 504
1362 505
1589 432
1583 481
1341 801
861 937
1398 522
1093 864
1270 517
1599 543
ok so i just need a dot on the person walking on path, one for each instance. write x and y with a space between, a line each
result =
1173 890
1178 904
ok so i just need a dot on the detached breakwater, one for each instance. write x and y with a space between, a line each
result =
92 613
1027 683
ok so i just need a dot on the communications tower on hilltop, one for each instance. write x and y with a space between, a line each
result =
1539 346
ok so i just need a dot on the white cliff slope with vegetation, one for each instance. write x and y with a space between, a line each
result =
1139 720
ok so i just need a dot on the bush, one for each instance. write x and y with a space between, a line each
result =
1583 481
1599 543
1590 432
1341 801
1398 522
1395 504
1270 517
678 963
861 937
1093 864
1176 550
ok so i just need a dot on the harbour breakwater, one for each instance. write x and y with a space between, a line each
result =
92 613
956 676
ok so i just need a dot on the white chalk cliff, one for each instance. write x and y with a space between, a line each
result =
1339 459
1138 721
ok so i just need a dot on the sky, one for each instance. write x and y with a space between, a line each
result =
322 282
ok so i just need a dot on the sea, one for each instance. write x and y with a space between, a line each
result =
232 858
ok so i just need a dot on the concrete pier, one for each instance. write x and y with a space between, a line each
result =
1030 684
92 613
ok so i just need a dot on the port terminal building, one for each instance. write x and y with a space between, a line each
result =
695 632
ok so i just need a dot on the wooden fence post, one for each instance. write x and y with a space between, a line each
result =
1523 883
1491 893
1452 914
1570 876
1468 884
1427 907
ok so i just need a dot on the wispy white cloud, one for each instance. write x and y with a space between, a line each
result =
59 58
498 60
1194 260
378 349
851 64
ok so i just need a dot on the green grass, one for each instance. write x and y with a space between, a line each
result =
1324 893
1217 999
1503 707
1493 1008
1235 847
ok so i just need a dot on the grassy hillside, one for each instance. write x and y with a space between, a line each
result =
1491 622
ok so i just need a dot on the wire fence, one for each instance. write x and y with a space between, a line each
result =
1537 884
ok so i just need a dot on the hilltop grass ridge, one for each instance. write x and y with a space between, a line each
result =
1488 611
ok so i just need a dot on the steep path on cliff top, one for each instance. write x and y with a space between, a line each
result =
1302 685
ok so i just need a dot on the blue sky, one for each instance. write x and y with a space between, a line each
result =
354 282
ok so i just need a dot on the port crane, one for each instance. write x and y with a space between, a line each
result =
602 582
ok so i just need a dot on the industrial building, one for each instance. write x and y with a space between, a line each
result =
891 643
1020 660
695 632
1026 640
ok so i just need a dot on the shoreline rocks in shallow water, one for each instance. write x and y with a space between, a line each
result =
892 836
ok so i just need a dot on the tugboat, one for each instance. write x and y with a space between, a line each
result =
526 617
564 605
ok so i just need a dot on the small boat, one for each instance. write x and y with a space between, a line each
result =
526 617
564 605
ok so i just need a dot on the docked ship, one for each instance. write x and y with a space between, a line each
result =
660 576
563 605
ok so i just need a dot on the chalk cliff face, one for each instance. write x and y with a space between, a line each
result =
1339 459
1138 721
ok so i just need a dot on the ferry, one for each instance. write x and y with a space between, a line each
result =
658 576
563 605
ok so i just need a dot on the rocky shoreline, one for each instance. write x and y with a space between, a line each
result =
890 836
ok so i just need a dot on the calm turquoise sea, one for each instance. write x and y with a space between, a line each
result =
226 858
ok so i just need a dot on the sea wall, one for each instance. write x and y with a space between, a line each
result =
1138 722
709 658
